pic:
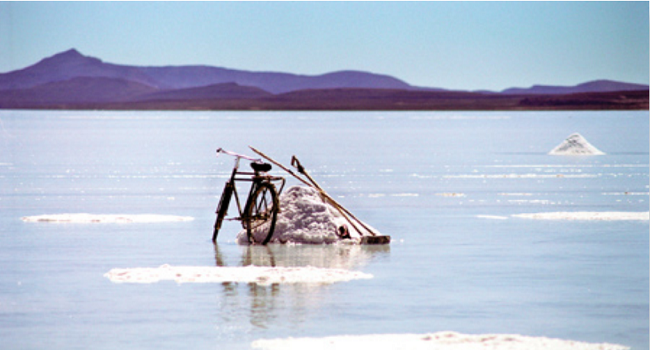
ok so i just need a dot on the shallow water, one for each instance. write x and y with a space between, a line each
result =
443 185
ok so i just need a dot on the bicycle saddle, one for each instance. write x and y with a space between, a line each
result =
261 167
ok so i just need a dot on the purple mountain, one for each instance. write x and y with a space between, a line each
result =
71 64
67 65
592 86
85 90
72 80
231 91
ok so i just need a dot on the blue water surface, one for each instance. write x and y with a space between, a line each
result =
444 185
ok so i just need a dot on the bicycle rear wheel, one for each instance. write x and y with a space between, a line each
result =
261 213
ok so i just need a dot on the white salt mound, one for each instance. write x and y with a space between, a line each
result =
437 341
305 217
83 218
262 275
575 145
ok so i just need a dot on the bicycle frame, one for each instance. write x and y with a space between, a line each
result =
233 179
255 177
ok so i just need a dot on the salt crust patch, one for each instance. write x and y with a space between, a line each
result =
567 166
521 176
495 217
378 195
625 193
450 194
83 218
262 275
305 217
587 215
439 341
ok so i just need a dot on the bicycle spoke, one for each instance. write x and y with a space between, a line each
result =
262 205
261 213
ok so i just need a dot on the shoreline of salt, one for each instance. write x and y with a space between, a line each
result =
586 215
85 218
577 216
261 275
446 340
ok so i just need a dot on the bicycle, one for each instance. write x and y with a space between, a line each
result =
262 204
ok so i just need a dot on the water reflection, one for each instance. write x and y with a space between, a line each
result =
286 304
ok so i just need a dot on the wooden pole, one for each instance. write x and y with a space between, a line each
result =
314 185
323 194
331 200
281 166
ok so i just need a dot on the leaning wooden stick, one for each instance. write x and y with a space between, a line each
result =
325 195
329 199
373 238
280 165
340 208
295 162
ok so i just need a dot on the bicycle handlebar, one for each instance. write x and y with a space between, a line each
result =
230 153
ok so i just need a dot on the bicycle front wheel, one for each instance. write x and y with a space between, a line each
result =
222 208
261 213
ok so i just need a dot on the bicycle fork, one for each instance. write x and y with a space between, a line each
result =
224 202
222 208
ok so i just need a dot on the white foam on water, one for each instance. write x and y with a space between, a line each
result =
493 217
575 145
626 193
586 215
567 166
305 217
85 218
541 166
519 176
379 195
262 275
531 201
439 341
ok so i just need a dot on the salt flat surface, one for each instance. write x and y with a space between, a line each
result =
84 218
520 176
579 215
262 275
495 217
586 215
445 270
305 217
439 340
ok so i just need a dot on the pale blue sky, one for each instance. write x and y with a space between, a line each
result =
455 45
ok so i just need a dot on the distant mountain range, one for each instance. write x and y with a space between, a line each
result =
72 80
592 86
72 64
